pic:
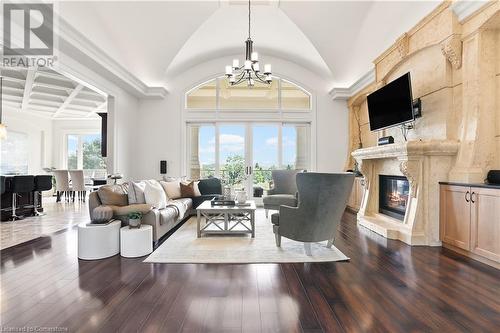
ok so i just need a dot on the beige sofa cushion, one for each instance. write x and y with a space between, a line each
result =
172 189
112 196
181 205
168 215
125 210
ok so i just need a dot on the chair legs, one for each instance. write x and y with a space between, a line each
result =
267 213
330 243
307 248
35 204
70 196
15 217
81 195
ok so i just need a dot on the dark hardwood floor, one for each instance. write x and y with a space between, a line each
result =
387 286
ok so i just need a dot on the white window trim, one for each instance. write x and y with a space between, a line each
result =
218 109
211 116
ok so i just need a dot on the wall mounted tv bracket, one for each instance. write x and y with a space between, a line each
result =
417 112
417 108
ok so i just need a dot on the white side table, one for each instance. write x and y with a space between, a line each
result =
98 241
136 242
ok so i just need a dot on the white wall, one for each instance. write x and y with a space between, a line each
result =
122 110
39 131
332 135
160 125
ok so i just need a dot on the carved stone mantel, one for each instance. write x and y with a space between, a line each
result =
424 164
452 50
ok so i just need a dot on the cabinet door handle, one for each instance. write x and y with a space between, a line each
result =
466 199
472 197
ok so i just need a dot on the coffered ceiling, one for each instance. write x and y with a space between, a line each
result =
46 93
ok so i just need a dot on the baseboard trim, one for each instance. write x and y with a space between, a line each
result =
473 256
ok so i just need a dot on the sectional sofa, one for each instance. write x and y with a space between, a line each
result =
122 201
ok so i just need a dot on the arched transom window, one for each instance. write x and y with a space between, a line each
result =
219 94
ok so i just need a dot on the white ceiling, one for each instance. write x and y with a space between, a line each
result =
143 36
351 34
157 40
48 94
272 31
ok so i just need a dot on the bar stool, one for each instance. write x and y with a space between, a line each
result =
2 184
42 183
20 184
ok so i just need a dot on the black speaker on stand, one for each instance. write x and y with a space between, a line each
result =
163 167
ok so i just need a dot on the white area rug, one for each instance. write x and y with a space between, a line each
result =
184 247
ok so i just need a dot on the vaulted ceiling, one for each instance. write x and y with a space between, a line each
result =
157 40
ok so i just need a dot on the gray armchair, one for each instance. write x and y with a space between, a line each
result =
322 201
284 191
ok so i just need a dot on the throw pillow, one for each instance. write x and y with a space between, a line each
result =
131 194
187 190
172 189
136 193
102 214
112 195
197 192
154 195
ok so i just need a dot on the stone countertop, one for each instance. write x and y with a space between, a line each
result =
482 185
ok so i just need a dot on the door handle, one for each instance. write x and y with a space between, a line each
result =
466 196
472 197
251 170
246 171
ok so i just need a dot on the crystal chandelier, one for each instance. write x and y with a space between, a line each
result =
250 70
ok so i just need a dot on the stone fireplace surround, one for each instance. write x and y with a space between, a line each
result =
424 164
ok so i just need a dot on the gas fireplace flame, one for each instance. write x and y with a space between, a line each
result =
397 198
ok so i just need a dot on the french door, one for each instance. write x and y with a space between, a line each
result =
83 151
244 154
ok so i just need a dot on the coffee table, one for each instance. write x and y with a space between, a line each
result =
226 219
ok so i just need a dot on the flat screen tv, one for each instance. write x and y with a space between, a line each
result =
391 105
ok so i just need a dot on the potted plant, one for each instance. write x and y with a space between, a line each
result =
134 220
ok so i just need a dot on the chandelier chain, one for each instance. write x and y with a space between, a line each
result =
249 11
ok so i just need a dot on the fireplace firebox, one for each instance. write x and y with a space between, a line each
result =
393 196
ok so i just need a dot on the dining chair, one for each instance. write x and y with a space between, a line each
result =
78 184
62 184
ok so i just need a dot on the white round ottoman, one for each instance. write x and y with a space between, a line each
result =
136 242
98 241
